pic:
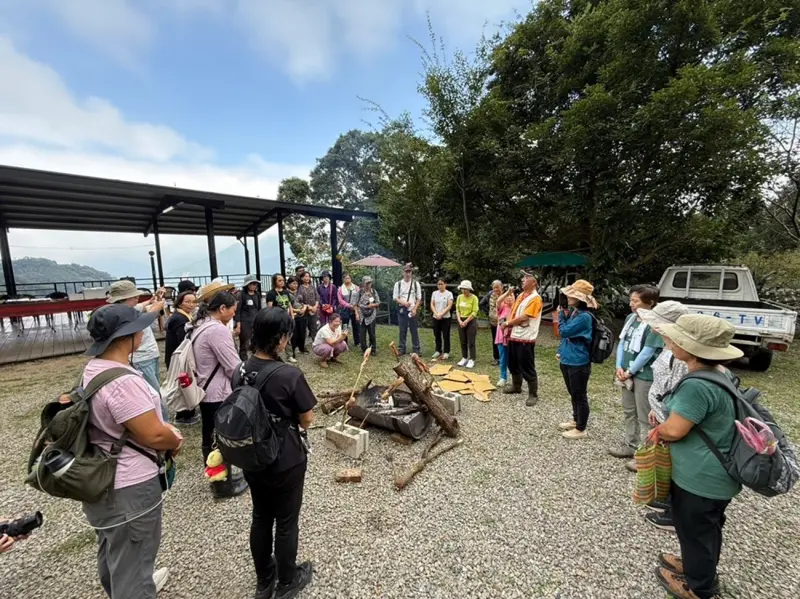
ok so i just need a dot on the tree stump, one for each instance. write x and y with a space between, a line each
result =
420 385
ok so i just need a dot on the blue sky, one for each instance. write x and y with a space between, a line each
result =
225 95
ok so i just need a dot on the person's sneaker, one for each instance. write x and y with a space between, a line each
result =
435 355
292 360
445 356
675 584
568 426
658 506
621 452
660 520
631 465
495 362
302 577
160 578
574 434
462 362
671 562
191 420
501 383
265 588
471 364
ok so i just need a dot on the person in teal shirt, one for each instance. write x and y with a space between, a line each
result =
638 348
467 312
701 488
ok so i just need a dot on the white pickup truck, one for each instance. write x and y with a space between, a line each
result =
729 292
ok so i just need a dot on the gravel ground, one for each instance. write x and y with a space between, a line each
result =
517 511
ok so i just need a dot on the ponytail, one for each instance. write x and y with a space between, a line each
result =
213 304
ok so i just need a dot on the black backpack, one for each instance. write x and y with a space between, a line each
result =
247 434
766 474
602 341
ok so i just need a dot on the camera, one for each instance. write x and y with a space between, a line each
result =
22 526
563 301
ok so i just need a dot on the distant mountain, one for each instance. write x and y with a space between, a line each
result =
41 270
230 261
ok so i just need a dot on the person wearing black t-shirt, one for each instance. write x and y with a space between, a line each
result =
279 295
277 492
175 330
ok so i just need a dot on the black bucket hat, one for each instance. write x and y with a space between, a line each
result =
114 321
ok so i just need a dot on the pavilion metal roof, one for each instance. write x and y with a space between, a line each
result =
34 199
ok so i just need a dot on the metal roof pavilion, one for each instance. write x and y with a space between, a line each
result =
34 199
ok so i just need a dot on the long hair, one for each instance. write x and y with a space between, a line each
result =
275 280
212 305
270 326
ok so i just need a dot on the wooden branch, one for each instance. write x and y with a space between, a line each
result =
420 384
392 388
432 444
402 480
333 400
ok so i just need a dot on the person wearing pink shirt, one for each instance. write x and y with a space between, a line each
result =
348 296
216 360
504 304
127 520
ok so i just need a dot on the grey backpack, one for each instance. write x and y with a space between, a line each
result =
768 475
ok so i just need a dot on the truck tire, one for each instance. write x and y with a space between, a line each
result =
761 360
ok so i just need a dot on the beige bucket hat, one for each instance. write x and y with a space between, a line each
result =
213 288
703 336
122 290
581 290
466 285
663 313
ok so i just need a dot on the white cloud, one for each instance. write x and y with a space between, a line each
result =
115 27
44 126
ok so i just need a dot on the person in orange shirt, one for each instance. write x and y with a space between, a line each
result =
524 321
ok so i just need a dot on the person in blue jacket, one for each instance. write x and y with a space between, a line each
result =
575 326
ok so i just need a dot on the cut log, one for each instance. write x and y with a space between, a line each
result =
402 480
420 384
332 401
349 475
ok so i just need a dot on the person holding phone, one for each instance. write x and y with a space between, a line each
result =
407 294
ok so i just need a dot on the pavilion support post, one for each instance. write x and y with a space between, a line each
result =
212 246
5 254
243 241
281 249
257 252
158 253
335 262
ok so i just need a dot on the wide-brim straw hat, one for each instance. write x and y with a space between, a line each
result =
703 336
466 285
663 313
122 290
581 290
213 288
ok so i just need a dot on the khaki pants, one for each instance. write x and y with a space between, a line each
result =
636 408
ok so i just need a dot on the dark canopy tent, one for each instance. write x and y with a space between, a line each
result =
553 260
33 199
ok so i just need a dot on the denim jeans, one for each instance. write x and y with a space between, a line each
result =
502 351
149 370
406 323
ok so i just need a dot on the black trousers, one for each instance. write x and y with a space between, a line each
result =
348 318
495 351
441 333
576 379
245 334
467 336
698 524
522 362
277 499
299 334
207 413
368 330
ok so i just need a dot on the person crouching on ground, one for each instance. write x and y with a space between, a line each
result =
249 306
330 341
504 306
126 553
467 313
701 488
575 326
667 372
524 322
638 348
216 360
277 492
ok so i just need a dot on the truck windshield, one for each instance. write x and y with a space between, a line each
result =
706 281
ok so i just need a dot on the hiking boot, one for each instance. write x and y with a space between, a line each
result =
661 520
265 588
574 434
187 420
233 486
672 562
621 451
567 426
631 465
659 506
302 577
515 388
160 578
676 585
532 400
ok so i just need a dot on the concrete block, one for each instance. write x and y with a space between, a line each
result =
351 441
450 401
349 475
